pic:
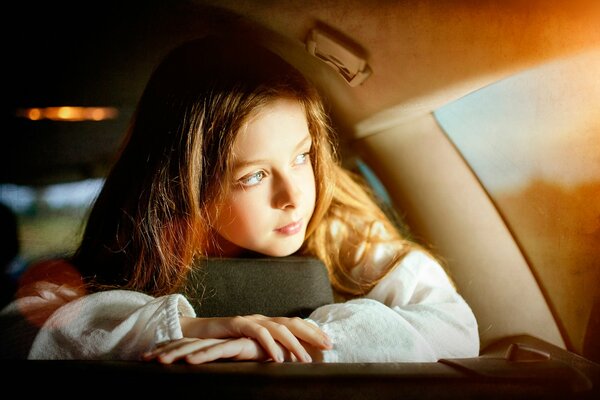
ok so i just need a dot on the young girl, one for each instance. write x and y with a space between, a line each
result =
230 154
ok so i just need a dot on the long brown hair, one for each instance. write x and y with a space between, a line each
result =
151 218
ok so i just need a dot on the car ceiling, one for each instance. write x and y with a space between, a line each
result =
423 54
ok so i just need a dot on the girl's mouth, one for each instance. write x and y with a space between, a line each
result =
290 229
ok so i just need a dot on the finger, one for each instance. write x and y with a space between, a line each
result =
287 339
306 331
182 348
303 329
238 349
249 327
164 348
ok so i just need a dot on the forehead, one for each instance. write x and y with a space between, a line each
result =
277 128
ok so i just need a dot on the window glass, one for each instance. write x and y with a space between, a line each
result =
50 218
533 140
382 197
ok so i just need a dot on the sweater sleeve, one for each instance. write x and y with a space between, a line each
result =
58 321
115 324
413 314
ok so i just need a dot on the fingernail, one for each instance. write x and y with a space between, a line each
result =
327 342
164 359
307 357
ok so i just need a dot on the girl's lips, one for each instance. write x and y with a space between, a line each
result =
290 229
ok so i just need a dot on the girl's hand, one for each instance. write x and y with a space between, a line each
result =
198 351
276 335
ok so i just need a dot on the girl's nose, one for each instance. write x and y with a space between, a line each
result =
287 194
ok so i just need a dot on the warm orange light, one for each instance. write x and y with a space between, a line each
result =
69 113
98 114
34 114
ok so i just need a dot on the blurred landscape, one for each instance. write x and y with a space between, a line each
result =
51 233
50 218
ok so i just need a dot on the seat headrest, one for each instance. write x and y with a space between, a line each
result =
278 286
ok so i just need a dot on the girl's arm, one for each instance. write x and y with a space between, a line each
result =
57 321
53 318
414 314
115 324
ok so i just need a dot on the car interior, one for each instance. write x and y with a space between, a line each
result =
476 122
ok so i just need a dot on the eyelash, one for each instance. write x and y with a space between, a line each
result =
245 181
260 175
305 156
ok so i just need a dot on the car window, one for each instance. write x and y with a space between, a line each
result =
51 217
382 197
534 143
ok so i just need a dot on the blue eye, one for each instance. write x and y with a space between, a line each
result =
301 159
253 179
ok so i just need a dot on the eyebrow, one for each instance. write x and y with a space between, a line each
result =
242 164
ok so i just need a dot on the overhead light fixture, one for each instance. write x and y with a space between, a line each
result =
68 113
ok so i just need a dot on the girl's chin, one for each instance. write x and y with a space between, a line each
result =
277 248
281 250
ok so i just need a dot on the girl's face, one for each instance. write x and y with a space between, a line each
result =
272 194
